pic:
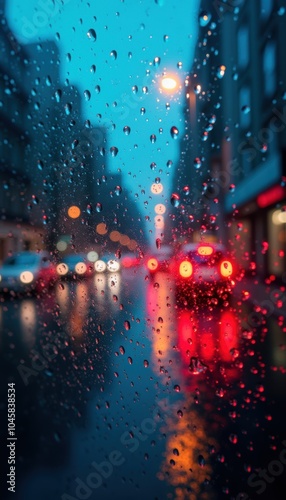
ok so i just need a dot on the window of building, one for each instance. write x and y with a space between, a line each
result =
266 7
243 46
244 105
269 66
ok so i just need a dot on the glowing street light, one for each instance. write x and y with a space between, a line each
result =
169 84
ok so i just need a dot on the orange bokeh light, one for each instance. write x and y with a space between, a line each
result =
101 228
73 212
115 235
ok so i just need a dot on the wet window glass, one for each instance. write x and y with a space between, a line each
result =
143 249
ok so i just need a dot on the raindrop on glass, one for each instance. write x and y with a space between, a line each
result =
117 190
91 34
175 200
87 95
204 18
58 95
197 163
113 151
126 130
156 61
174 132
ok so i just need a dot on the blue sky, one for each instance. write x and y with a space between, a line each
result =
139 32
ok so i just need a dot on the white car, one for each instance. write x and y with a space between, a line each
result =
27 271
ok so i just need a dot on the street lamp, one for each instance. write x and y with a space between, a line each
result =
169 84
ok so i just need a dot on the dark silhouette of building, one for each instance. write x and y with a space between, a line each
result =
15 186
235 127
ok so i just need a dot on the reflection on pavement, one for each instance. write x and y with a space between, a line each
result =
199 350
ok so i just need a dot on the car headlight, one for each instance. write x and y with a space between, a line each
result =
62 269
80 268
99 266
26 277
113 266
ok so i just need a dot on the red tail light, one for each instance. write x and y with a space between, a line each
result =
226 268
186 269
152 264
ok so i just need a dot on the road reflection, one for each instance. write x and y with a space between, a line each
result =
198 348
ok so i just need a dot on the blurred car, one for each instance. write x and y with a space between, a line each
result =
27 271
75 266
107 263
204 270
160 259
129 260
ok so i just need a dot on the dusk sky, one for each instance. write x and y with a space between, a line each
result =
109 62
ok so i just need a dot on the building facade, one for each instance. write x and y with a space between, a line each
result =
233 154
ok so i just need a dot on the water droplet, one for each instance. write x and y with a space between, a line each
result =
220 392
233 438
97 89
40 164
174 132
201 461
179 65
234 353
153 165
98 207
204 18
91 34
68 108
142 111
93 68
169 163
145 90
130 360
166 38
113 54
232 188
87 95
156 61
245 109
197 89
177 388
127 325
153 138
197 366
146 363
68 57
121 350
113 151
126 130
176 452
58 95
220 72
186 190
197 163
48 81
117 190
175 200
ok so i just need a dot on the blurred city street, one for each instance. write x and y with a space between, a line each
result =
189 399
142 250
